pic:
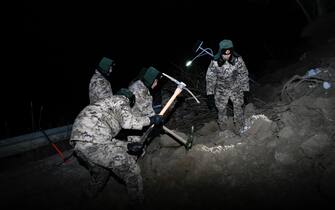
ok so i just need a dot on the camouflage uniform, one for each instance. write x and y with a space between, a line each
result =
93 135
143 104
140 88
99 87
228 82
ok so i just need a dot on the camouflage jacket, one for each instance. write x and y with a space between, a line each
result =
99 87
103 120
228 77
143 101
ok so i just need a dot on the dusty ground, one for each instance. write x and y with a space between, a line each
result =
219 172
45 184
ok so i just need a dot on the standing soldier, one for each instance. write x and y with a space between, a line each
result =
97 148
227 78
100 86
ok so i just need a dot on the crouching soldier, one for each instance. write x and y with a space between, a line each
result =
143 86
93 137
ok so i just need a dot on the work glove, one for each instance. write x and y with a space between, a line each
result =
135 148
211 102
156 120
157 108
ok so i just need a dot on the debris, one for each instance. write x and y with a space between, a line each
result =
326 85
215 149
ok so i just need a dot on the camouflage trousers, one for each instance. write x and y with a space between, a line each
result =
221 101
103 159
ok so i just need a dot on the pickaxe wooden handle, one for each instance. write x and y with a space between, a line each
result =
162 112
173 97
167 105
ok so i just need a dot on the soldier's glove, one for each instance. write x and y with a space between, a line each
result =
156 120
157 108
211 102
135 148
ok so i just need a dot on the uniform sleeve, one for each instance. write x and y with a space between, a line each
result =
143 102
243 75
211 78
130 121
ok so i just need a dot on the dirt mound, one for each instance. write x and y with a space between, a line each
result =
284 156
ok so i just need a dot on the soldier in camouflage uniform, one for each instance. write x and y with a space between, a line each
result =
93 137
100 86
146 81
227 78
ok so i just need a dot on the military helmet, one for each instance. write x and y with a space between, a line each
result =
126 92
105 64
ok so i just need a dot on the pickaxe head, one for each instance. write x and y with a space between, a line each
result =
181 85
189 143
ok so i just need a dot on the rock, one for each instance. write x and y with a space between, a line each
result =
258 128
290 119
226 134
249 110
286 132
316 145
287 151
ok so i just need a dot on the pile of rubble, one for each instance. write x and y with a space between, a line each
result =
284 156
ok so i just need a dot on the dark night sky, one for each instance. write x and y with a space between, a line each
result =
55 46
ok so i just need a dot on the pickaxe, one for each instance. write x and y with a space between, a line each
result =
187 143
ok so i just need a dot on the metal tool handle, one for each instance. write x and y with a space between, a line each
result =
179 138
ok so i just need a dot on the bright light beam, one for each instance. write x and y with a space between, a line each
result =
207 51
188 63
